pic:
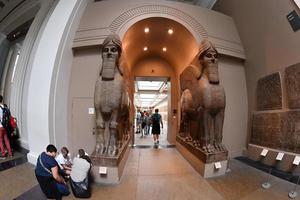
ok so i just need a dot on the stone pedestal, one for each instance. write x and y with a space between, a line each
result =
203 163
286 164
114 166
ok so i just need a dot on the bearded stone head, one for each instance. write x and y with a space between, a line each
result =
208 58
112 47
111 53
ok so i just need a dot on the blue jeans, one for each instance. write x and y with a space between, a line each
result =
63 189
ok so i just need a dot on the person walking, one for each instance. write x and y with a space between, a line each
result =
156 122
3 132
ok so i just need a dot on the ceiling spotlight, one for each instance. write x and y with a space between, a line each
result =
146 30
164 49
145 48
170 31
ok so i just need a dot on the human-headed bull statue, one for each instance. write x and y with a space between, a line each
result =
111 100
203 101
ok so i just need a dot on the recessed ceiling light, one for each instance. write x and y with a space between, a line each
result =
146 30
164 48
170 31
145 48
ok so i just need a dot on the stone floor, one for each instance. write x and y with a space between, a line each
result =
140 139
162 174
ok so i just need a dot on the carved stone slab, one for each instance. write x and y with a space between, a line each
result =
292 80
203 156
279 130
109 161
269 95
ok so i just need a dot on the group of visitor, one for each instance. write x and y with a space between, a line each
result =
144 122
54 170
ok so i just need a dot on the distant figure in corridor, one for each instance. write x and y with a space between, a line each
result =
156 122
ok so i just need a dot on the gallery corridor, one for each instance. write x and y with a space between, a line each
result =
162 174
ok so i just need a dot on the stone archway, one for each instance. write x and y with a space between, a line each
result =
156 63
122 23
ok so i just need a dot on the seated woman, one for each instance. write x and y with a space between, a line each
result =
64 161
46 172
79 175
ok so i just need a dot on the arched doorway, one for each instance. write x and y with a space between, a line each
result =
159 47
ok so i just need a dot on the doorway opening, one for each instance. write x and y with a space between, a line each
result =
151 93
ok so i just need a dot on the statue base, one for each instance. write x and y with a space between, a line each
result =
206 164
107 169
199 153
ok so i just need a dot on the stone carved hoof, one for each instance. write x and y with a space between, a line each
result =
113 125
188 139
208 148
222 147
100 149
113 150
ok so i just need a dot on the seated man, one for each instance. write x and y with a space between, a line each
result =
79 175
46 172
64 161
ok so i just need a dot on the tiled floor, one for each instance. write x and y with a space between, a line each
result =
163 174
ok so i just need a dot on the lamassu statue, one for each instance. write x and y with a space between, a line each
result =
203 101
111 100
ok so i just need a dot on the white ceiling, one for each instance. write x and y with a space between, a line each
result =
150 93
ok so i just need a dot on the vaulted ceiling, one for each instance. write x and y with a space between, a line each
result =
180 46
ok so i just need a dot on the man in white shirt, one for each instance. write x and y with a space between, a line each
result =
64 161
81 166
79 180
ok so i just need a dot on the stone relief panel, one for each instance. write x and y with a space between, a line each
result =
280 130
269 93
292 80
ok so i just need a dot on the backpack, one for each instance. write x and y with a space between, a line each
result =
13 122
5 117
155 118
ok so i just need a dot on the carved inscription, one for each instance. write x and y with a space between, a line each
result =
277 130
292 80
269 95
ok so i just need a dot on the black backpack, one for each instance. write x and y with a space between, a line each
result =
5 117
155 118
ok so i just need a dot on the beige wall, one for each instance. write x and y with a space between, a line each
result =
270 43
103 17
232 77
85 71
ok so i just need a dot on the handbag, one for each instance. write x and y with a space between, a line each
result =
81 189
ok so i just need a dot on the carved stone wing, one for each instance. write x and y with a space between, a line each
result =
188 78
